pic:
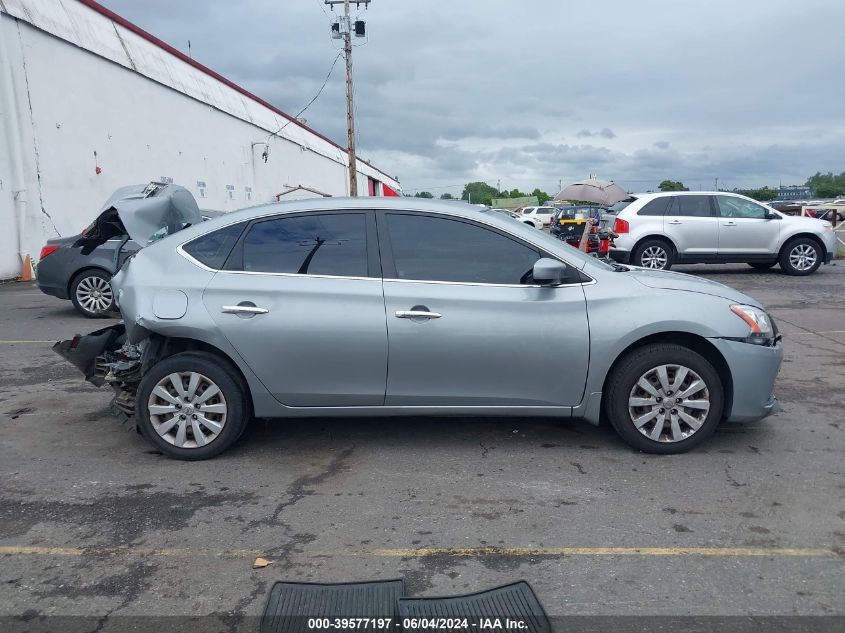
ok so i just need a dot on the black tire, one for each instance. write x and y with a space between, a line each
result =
644 252
82 290
761 265
791 262
640 362
234 397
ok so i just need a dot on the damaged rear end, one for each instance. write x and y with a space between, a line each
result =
106 357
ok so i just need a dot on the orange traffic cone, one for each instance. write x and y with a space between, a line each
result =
26 271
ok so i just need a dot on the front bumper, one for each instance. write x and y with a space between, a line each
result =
754 369
619 255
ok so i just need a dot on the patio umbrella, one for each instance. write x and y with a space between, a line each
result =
593 190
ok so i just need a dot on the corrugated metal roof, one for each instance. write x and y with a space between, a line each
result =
91 26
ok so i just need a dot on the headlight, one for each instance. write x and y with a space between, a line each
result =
762 327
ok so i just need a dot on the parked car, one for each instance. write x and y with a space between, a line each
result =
398 307
80 267
658 230
532 221
543 215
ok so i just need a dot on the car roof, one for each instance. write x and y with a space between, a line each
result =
660 194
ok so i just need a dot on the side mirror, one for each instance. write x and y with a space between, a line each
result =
549 272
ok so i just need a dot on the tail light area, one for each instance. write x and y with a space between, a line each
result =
621 226
47 250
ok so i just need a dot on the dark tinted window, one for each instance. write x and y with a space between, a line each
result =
324 244
439 249
213 248
694 206
658 206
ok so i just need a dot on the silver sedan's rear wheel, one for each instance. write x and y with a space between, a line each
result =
192 405
187 409
91 293
664 398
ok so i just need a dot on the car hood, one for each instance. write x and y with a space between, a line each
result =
665 280
143 212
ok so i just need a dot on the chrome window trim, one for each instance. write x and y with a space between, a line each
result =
190 258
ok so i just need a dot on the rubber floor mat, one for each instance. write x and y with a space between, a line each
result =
485 611
292 604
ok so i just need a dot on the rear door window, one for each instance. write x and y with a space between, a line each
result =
658 206
692 206
332 244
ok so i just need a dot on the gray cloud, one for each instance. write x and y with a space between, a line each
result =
605 132
690 93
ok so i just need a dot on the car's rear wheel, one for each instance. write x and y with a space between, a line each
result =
761 265
664 398
91 293
191 406
656 254
801 256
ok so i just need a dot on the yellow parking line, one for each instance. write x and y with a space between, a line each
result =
422 552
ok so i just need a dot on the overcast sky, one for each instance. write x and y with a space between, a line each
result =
533 92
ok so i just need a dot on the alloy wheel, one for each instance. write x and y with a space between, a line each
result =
654 257
669 403
94 294
187 409
803 257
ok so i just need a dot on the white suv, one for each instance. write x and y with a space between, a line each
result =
657 230
540 215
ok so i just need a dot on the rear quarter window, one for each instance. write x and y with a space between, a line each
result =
658 206
213 248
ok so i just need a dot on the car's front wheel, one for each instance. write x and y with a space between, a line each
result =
655 253
192 406
664 398
801 256
91 293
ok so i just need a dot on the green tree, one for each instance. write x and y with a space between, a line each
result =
763 194
827 185
423 194
672 185
542 196
479 193
447 196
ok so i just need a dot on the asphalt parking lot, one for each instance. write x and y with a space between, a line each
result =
94 522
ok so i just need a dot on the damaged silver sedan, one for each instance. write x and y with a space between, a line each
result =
379 306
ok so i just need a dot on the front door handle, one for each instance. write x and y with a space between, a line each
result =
417 314
243 309
729 223
675 222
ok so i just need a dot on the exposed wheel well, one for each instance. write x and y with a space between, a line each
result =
815 238
164 347
84 270
694 342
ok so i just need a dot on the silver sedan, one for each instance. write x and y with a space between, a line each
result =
397 307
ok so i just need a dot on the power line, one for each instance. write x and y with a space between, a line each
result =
308 105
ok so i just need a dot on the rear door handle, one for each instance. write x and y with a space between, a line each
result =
243 310
729 223
675 222
417 314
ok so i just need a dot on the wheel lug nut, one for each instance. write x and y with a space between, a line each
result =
674 410
182 417
662 411
659 399
178 406
193 417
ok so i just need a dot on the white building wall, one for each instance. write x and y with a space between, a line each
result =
137 115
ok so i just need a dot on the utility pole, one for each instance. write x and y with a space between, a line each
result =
345 29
